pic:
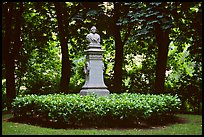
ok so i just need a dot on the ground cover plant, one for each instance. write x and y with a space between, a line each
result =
92 110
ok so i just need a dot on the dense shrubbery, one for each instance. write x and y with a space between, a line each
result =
73 108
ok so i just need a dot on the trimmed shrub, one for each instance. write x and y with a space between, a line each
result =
76 109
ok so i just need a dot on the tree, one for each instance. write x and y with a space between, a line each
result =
114 28
119 49
187 37
153 22
162 31
39 64
62 25
177 13
162 37
11 45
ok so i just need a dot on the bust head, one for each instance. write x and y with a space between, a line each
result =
93 37
93 29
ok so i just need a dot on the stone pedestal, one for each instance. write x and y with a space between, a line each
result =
94 72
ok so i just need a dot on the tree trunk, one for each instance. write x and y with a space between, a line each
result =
66 65
118 62
11 47
8 58
10 81
17 39
118 52
162 38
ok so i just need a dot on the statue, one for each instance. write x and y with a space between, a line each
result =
94 67
93 37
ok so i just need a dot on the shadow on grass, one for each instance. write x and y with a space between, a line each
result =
150 123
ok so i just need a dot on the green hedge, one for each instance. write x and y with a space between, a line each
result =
73 108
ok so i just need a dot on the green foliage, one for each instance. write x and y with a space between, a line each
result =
185 78
73 108
108 59
44 69
38 67
78 75
183 21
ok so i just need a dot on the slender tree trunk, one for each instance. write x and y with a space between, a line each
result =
11 47
8 58
17 39
118 52
118 62
162 38
66 65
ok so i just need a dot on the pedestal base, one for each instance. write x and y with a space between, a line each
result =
97 91
94 72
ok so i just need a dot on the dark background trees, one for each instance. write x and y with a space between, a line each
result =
62 18
12 13
150 47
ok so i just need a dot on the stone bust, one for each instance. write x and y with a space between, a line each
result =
93 37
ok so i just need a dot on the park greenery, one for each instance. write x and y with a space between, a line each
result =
192 127
152 58
74 109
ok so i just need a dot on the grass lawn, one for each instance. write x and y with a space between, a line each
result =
191 126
